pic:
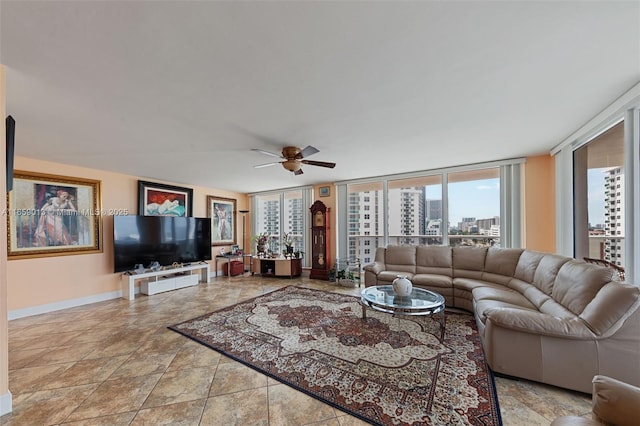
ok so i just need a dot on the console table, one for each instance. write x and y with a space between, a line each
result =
164 280
277 267
228 258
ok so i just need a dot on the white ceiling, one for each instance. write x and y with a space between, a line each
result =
180 91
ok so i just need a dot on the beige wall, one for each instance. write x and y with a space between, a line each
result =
5 398
539 204
42 281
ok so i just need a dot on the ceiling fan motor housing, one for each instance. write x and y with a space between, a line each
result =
291 152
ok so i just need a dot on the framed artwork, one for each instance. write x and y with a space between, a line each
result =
324 191
51 215
157 199
222 212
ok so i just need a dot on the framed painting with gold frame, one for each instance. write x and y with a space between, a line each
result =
53 215
222 212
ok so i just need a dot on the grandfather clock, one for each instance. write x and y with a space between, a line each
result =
319 241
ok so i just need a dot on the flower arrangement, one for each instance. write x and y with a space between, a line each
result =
288 239
262 239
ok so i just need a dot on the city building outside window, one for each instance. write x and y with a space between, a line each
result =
457 207
277 213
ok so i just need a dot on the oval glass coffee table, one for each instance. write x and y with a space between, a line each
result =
420 302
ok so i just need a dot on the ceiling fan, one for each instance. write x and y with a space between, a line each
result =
293 158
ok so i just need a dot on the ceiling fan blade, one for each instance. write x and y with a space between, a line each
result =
298 172
259 166
266 152
319 163
309 150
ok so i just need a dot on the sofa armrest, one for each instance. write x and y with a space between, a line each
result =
375 267
615 402
538 323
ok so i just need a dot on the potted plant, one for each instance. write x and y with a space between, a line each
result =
287 240
262 241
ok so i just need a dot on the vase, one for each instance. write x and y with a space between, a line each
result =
402 286
289 249
261 249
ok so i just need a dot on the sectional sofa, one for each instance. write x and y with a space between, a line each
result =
542 317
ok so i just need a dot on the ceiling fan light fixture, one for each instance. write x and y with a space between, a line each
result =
291 165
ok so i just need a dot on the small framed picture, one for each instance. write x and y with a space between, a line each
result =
324 191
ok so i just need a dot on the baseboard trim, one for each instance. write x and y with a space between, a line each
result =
5 404
71 303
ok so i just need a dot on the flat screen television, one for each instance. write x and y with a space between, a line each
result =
165 239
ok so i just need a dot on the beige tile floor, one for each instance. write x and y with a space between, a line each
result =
116 363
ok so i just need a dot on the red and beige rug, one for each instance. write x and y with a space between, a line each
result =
386 370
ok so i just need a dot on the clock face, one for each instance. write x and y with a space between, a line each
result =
319 219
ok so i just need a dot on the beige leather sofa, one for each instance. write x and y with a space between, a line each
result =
614 403
541 316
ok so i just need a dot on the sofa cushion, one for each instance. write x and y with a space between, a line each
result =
468 284
468 262
577 283
401 259
527 264
611 304
501 261
483 307
535 295
432 280
513 298
547 271
434 260
519 285
554 309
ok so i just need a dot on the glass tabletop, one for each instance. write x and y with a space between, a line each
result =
419 299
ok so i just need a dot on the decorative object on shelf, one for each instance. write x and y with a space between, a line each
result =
155 266
157 199
222 212
139 268
262 241
52 215
222 251
402 286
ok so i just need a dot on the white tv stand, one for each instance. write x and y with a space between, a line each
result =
164 280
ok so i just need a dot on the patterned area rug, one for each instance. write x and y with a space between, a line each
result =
385 370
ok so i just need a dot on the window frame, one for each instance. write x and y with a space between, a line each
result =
510 201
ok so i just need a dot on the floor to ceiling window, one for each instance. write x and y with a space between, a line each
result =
415 211
597 172
599 197
365 221
474 207
280 213
457 206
